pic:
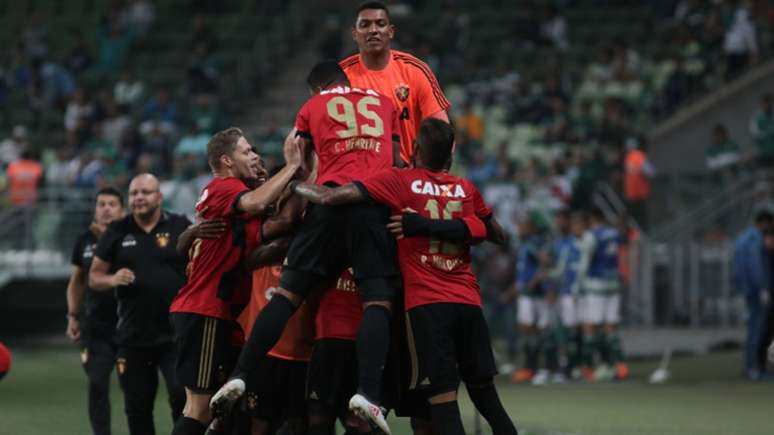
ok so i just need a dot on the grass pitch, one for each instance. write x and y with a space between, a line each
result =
45 393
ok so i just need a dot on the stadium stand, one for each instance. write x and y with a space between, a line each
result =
546 94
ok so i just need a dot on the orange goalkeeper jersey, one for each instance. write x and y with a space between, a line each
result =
298 338
410 84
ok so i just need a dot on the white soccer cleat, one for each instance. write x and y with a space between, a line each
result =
230 392
659 376
558 378
371 413
541 377
604 373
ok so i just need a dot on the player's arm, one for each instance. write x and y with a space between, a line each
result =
201 229
586 247
259 200
441 114
272 252
495 232
412 224
75 293
286 220
324 195
101 279
544 262
396 160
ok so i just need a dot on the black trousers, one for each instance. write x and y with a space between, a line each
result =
138 374
98 357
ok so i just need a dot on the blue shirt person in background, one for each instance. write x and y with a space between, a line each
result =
751 277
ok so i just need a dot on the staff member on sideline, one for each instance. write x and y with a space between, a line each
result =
96 334
137 257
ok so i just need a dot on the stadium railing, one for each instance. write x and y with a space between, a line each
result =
36 240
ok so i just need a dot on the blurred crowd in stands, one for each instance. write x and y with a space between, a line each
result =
543 137
107 123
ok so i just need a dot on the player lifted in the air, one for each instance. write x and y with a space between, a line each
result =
354 134
447 332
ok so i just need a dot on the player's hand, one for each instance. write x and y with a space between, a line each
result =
73 329
122 277
396 226
200 215
293 151
209 228
396 223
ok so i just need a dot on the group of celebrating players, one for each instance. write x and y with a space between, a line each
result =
339 286
569 297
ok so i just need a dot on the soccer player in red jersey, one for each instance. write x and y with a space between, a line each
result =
354 133
442 298
406 80
201 311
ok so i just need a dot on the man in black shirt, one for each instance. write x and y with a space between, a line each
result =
91 316
137 257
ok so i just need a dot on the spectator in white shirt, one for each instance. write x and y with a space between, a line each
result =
739 44
12 147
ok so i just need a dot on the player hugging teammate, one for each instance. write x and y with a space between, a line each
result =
568 296
342 261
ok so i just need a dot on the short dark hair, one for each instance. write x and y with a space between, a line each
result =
597 214
375 4
435 143
563 212
111 191
764 217
326 73
222 142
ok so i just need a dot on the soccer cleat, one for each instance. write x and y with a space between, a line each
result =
371 413
541 377
621 371
558 378
522 376
224 399
604 373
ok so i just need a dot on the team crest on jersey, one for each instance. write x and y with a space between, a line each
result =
252 401
121 365
402 92
162 239
88 252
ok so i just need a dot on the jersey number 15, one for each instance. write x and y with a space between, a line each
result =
451 207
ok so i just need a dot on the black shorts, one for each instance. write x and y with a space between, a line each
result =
396 394
335 237
275 390
333 374
205 352
448 342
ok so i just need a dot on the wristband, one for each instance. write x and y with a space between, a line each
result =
73 316
292 185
